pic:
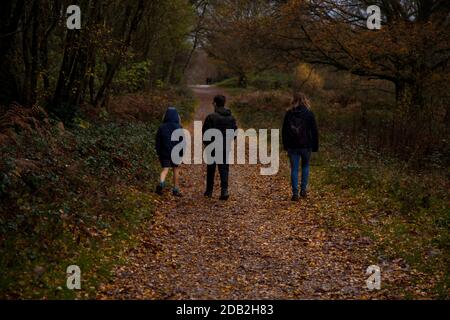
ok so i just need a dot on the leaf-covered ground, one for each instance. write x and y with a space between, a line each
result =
258 245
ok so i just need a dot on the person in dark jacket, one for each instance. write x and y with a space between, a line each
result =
300 138
164 146
223 120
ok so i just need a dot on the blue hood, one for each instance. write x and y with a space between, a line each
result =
171 116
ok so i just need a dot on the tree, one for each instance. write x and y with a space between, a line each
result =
78 58
134 11
24 48
228 43
200 7
413 43
162 38
42 62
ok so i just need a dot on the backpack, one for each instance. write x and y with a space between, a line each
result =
297 127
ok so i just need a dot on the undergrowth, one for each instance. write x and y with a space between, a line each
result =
78 195
403 209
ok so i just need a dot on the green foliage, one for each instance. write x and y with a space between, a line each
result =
133 78
186 105
261 109
58 210
271 80
76 196
267 80
405 211
165 35
411 207
229 83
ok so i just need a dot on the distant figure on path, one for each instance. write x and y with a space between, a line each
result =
300 138
164 146
222 120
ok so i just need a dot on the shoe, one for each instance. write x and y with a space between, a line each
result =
159 189
304 194
177 193
295 198
224 196
208 194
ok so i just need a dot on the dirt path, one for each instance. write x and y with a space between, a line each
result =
258 245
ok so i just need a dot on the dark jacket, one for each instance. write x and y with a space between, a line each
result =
221 119
164 143
312 137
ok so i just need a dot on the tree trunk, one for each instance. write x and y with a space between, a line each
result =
30 47
10 16
409 97
447 117
101 98
112 67
72 77
169 74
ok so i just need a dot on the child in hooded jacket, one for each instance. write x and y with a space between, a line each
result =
164 146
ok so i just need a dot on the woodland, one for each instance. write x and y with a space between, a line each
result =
80 107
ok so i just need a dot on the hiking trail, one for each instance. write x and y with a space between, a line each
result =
258 245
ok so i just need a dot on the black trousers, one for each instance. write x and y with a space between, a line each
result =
224 170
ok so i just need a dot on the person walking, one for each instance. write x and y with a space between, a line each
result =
164 146
300 138
222 120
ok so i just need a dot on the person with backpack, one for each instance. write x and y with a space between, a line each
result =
221 120
300 138
164 146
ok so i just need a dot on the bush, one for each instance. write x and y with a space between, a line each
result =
78 195
307 78
63 194
229 83
152 105
132 78
403 210
261 108
271 80
268 80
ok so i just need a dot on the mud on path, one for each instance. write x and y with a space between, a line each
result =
258 245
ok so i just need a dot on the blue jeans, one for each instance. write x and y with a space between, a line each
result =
295 156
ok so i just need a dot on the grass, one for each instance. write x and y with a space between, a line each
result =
403 210
406 213
268 80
